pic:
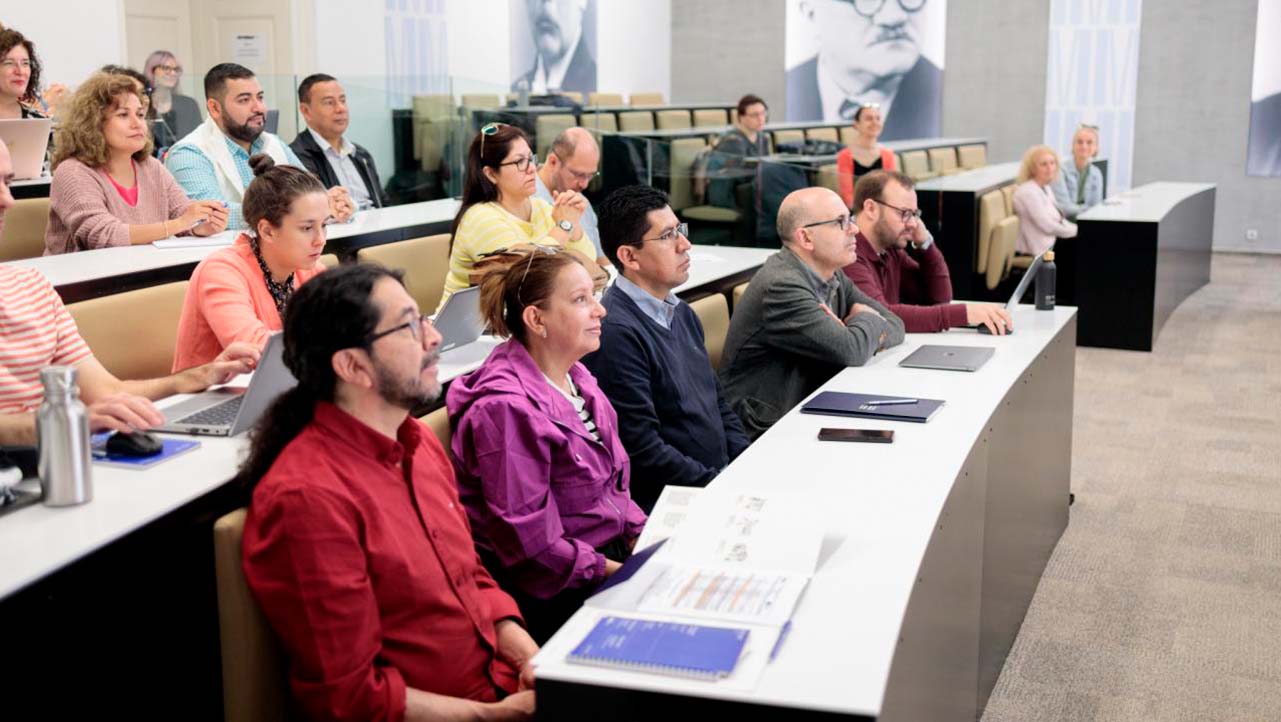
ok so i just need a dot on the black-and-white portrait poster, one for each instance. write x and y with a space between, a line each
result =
553 45
842 54
1264 155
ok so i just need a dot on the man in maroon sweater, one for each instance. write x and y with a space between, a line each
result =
900 266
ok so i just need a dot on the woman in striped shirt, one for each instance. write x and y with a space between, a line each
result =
499 209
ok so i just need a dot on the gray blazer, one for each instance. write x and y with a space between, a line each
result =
782 346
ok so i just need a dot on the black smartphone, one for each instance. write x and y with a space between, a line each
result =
870 436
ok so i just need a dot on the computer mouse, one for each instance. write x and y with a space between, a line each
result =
136 443
983 329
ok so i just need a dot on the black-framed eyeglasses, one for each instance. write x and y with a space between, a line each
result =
487 130
668 236
415 327
522 163
869 8
907 214
843 221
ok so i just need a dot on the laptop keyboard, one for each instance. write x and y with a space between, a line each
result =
223 414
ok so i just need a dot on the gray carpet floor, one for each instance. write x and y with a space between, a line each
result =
1162 601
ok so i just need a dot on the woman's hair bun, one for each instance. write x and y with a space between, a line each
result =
260 163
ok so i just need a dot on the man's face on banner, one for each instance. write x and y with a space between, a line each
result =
867 37
555 24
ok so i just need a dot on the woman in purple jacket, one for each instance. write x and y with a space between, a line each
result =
540 466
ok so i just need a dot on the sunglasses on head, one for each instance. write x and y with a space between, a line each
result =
487 130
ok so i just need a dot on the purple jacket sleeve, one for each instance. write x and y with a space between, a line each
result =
522 522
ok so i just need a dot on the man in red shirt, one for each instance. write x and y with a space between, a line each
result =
899 265
356 546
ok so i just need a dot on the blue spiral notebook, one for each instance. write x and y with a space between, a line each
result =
682 650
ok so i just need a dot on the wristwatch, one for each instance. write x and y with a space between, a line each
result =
566 226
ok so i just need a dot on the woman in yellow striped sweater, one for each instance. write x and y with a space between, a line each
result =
499 209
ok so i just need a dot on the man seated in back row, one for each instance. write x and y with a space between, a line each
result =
801 319
37 331
901 267
323 148
571 166
212 162
652 363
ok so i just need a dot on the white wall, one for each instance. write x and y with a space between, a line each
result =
479 45
634 46
72 37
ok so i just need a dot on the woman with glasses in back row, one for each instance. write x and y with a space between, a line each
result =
180 113
499 209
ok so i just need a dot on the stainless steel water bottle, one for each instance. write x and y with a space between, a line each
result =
62 436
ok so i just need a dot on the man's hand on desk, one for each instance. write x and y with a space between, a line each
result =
238 358
996 319
123 412
341 206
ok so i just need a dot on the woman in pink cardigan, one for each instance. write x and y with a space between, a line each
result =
107 190
1040 220
239 293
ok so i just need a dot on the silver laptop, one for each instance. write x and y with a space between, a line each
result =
459 322
28 139
227 412
1019 290
948 358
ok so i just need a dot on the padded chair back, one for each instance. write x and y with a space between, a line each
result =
438 422
573 95
683 153
646 99
972 156
481 100
1001 252
604 99
607 122
24 228
739 290
329 260
710 118
425 262
255 687
991 211
822 134
1008 192
713 313
142 346
848 135
547 127
943 161
635 120
917 165
672 119
828 177
788 136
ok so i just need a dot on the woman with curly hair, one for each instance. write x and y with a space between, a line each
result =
107 189
19 76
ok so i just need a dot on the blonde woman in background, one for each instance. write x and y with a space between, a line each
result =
1041 222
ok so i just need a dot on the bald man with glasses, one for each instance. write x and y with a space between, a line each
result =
571 166
801 320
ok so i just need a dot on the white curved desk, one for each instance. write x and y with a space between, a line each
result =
933 545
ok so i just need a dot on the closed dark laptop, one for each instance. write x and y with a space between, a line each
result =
862 406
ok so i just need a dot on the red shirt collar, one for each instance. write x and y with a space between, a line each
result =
345 428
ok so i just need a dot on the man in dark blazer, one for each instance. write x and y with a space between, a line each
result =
323 148
555 25
1264 156
867 59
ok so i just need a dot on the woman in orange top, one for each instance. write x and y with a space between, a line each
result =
239 293
864 155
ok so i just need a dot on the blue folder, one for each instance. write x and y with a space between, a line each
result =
682 650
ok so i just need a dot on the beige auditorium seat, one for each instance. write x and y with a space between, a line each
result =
573 95
606 122
916 165
943 161
991 211
433 116
673 119
710 118
972 156
438 422
646 99
604 99
684 151
635 120
254 679
329 260
788 136
848 135
1000 256
425 262
739 290
547 127
829 177
1008 192
828 134
481 100
24 228
713 313
142 348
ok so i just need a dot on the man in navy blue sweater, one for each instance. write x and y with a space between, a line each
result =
652 364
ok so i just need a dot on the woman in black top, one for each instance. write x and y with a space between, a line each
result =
180 113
